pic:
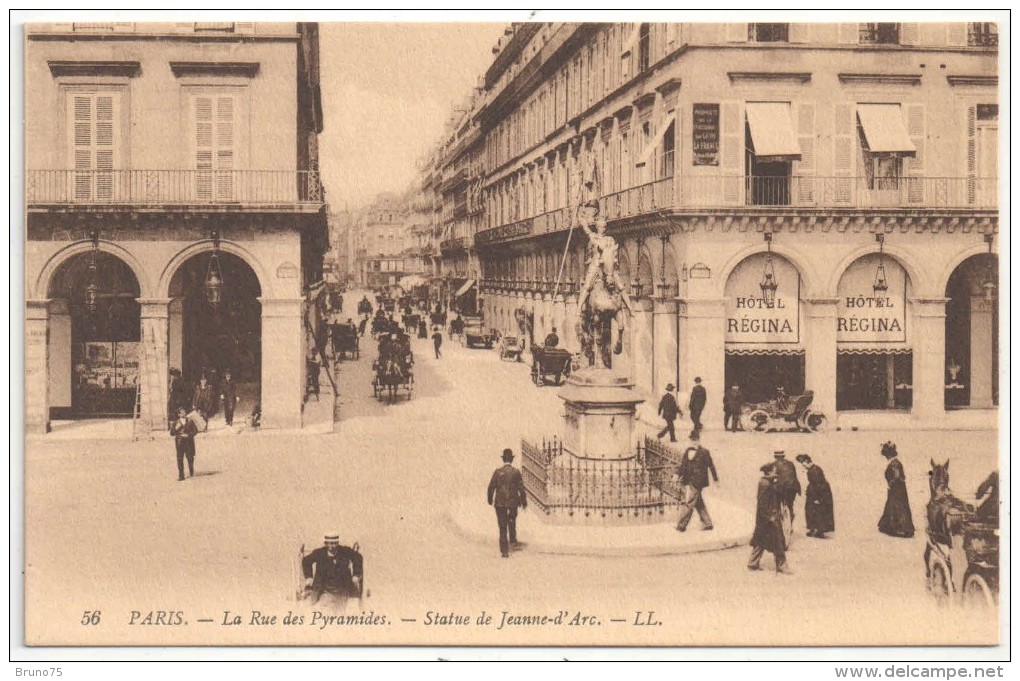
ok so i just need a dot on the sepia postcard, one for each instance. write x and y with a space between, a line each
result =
637 331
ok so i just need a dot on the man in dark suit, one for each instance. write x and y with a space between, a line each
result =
697 403
787 483
768 529
332 571
184 431
506 493
552 340
669 410
733 403
228 393
692 474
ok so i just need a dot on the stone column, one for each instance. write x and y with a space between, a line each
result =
929 345
37 398
559 315
570 319
664 353
60 369
981 353
703 352
153 371
644 344
175 334
283 355
820 362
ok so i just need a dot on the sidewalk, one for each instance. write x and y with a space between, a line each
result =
473 519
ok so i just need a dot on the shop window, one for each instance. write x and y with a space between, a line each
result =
768 33
760 375
874 381
880 34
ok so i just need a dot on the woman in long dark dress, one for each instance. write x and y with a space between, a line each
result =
896 520
818 500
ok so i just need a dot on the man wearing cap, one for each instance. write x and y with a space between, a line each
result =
768 529
184 431
733 403
696 403
692 474
332 571
786 479
506 493
668 410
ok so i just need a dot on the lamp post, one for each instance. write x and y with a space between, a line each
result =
989 286
881 284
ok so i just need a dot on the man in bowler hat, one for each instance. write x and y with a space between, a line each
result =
506 493
669 410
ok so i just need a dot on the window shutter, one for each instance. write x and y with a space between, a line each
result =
971 132
849 34
204 152
732 152
914 167
804 169
843 152
800 33
910 34
736 33
956 34
104 143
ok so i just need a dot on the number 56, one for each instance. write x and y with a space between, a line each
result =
90 617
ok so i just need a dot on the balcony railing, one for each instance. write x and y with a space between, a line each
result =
168 187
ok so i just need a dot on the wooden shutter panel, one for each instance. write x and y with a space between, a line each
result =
204 152
800 33
736 33
843 152
971 132
804 169
914 167
732 152
956 34
910 34
849 34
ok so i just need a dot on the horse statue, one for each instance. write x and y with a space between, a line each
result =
603 296
946 513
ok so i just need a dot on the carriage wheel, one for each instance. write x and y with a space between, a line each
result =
940 581
759 421
816 422
976 592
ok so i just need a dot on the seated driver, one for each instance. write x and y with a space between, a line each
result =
332 573
782 399
552 340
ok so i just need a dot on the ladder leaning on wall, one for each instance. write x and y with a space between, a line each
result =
150 397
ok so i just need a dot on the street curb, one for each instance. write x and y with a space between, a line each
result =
465 523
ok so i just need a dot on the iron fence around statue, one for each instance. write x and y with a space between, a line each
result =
568 486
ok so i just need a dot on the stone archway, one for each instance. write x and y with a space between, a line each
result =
972 331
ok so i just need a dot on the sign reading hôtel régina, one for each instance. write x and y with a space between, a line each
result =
750 318
867 315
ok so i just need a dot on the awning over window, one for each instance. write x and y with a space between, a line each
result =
772 132
465 288
660 132
884 131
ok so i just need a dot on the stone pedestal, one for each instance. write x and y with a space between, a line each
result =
599 414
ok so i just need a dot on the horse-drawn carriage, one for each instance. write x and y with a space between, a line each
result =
394 368
511 348
783 415
555 363
344 341
473 333
958 536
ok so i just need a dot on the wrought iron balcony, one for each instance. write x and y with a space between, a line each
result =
173 187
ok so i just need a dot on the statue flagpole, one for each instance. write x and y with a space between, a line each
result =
593 183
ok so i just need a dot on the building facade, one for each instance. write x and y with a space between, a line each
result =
806 206
175 214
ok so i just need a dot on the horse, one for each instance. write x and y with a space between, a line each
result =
946 513
389 376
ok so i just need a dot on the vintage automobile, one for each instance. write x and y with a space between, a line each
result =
554 363
475 335
794 416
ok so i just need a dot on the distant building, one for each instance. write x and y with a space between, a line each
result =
812 206
175 214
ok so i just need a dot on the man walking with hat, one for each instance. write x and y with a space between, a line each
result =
692 474
668 410
768 529
786 479
696 403
506 493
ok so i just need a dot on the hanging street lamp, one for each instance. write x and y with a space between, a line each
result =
989 286
881 284
214 275
768 284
